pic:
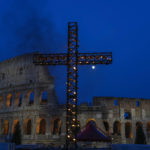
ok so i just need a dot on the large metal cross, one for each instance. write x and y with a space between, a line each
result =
72 59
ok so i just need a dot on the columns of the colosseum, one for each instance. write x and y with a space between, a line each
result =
35 119
110 126
51 97
48 126
122 114
99 121
123 138
10 126
21 122
143 114
13 99
134 130
4 103
145 129
82 118
36 97
63 125
24 98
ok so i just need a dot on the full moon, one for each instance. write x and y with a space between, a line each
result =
93 67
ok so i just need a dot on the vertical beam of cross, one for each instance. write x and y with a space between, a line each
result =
72 59
72 68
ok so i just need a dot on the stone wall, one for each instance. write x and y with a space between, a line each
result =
20 77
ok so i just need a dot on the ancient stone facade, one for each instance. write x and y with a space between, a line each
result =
27 97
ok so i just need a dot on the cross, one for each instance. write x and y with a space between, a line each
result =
72 59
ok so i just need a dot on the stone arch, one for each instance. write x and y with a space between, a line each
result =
128 130
41 126
148 127
6 127
9 100
30 97
117 128
27 126
127 115
56 126
1 101
43 97
106 125
18 99
139 123
15 122
91 121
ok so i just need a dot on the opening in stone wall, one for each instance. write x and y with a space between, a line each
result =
91 121
31 98
128 130
27 126
44 98
137 103
15 122
6 127
1 101
106 125
148 129
18 99
56 126
9 100
127 115
115 102
41 126
117 128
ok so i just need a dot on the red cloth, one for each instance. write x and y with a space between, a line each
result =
91 134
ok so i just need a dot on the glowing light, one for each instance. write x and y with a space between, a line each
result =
74 139
73 113
73 125
93 67
74 68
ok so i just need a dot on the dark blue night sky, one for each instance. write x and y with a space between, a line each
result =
122 27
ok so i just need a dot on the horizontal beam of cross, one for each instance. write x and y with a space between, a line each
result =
82 58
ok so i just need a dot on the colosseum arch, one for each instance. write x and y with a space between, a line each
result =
91 121
43 97
56 126
128 130
117 128
6 127
41 126
1 101
18 99
30 97
148 129
27 126
139 123
106 125
15 122
9 100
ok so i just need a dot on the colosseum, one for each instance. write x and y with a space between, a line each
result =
27 97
